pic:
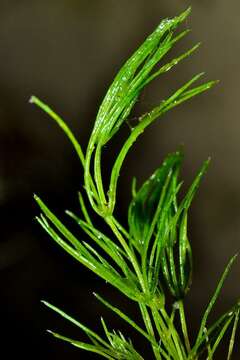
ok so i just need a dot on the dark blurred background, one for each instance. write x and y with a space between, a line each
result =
66 52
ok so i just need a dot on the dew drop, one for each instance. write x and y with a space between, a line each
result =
176 305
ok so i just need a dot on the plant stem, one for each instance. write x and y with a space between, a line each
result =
110 221
98 176
208 345
164 333
179 350
149 327
184 325
232 340
88 181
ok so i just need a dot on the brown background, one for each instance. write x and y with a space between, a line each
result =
66 52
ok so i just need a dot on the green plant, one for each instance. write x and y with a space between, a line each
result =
152 257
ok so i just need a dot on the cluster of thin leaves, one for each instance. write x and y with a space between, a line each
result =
152 257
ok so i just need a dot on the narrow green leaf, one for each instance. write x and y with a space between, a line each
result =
56 222
186 95
96 234
107 332
84 328
106 271
233 335
186 202
213 300
85 258
101 259
85 346
185 256
220 336
170 177
84 208
126 74
62 124
145 121
162 236
172 63
210 335
144 206
73 252
110 248
125 318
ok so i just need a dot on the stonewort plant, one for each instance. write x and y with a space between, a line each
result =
151 257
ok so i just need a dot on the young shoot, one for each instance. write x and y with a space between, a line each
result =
150 260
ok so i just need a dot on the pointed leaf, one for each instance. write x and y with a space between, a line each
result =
144 205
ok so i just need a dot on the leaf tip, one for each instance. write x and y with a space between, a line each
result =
35 197
197 45
207 162
44 302
32 99
235 256
50 332
185 14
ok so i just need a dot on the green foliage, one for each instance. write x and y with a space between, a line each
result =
150 262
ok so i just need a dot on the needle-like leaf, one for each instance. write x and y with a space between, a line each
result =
212 302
